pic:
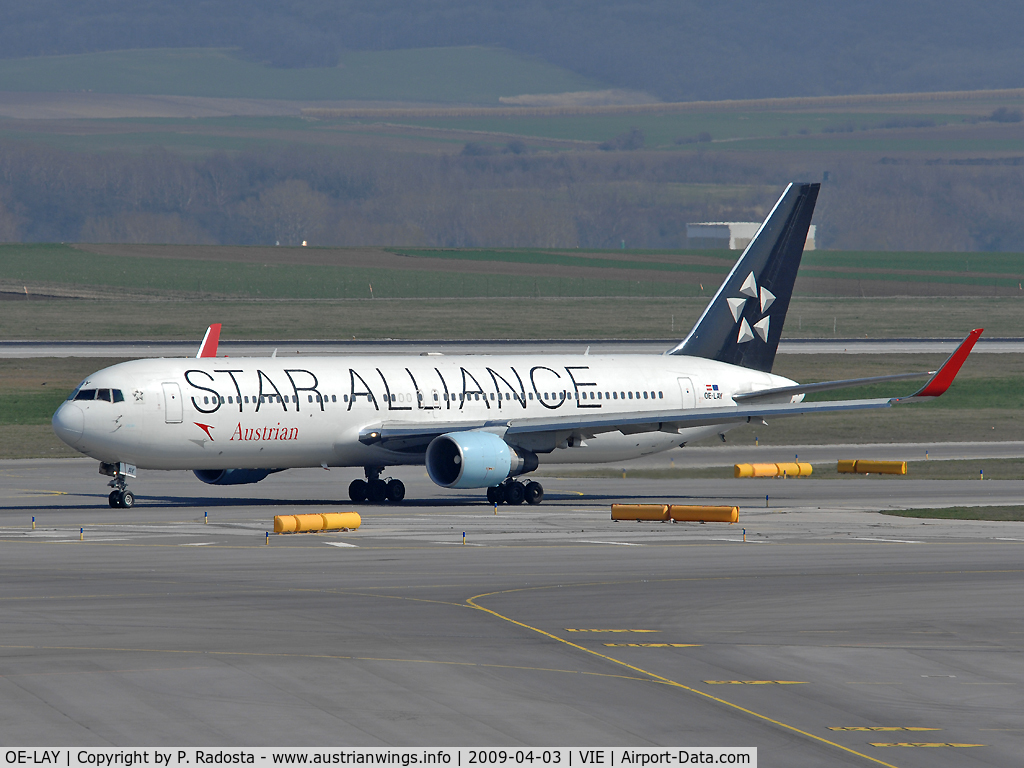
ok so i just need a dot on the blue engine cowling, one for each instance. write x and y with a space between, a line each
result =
231 476
474 459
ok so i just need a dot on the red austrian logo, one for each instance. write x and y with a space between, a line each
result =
206 428
265 433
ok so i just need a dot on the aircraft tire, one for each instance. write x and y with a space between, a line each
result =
396 490
496 494
127 499
515 493
377 492
534 492
357 490
114 500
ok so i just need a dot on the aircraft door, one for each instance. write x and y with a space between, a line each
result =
687 392
172 402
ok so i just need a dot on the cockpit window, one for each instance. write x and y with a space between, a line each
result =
108 395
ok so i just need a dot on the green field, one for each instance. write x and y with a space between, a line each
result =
961 513
661 130
473 75
45 268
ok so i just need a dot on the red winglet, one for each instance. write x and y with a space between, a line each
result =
943 377
209 346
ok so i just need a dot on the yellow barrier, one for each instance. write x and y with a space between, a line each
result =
326 522
788 469
703 514
284 524
639 512
336 520
862 467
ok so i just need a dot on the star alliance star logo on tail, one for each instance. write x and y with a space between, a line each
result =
736 306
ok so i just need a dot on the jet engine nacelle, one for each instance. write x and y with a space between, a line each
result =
231 476
475 459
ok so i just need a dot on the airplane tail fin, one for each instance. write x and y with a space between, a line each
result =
743 323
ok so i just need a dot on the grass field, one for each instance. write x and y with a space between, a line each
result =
476 318
345 273
473 75
961 513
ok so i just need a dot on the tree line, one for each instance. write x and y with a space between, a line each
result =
585 199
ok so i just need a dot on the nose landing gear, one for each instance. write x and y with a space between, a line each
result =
375 490
120 497
513 492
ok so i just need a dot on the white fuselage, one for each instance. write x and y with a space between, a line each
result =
274 413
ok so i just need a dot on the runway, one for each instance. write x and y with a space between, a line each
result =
550 625
138 349
727 454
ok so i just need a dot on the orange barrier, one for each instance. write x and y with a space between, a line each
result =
862 467
638 512
703 514
333 521
787 469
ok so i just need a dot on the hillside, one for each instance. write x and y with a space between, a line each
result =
676 49
472 75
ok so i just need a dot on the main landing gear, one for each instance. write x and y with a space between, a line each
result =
513 492
375 490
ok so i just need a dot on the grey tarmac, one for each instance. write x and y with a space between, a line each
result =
158 629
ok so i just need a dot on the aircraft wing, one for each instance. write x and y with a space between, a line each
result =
551 430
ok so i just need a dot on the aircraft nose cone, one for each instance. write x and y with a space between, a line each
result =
68 423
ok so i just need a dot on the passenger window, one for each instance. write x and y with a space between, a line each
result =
318 397
118 397
661 396
222 400
492 395
531 395
344 398
645 395
630 395
334 398
598 395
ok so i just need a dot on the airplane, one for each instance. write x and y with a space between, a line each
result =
474 421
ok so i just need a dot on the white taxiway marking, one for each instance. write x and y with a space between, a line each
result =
894 541
198 544
998 538
741 541
617 543
340 544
